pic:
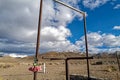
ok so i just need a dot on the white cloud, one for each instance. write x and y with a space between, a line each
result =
59 46
117 6
19 19
16 55
94 3
111 40
55 34
17 47
94 39
116 27
18 27
55 39
96 42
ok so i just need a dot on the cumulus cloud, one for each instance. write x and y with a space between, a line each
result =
94 41
100 42
15 55
116 27
18 25
58 14
59 46
55 39
93 3
111 40
17 47
55 34
18 19
117 6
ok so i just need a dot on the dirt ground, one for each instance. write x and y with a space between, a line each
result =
17 69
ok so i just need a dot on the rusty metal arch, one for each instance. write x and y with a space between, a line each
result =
38 34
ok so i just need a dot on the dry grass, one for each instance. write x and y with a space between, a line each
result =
17 69
1 78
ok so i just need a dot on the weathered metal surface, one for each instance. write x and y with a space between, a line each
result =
38 38
66 63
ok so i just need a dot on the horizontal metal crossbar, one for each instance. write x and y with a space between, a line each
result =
74 58
66 62
58 1
69 58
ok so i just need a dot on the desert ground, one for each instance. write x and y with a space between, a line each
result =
17 68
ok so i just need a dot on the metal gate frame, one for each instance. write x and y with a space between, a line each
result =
39 29
66 63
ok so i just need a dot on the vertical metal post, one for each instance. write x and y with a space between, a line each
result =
118 60
38 38
85 31
86 45
66 69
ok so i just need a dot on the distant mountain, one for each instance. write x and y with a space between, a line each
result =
57 55
62 54
106 55
71 54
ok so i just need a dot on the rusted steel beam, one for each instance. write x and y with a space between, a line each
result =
77 58
38 39
38 35
86 44
66 69
66 63
85 30
58 1
69 58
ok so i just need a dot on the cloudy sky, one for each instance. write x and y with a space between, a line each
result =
62 28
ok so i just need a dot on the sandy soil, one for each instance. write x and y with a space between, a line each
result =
17 69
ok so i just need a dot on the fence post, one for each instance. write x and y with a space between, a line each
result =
118 60
44 68
66 68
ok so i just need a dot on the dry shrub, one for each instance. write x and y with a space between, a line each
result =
57 63
111 69
4 66
50 63
97 63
